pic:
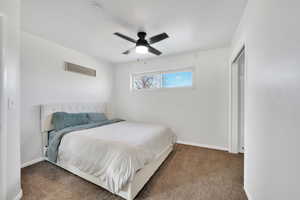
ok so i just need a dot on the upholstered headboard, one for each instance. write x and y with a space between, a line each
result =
48 110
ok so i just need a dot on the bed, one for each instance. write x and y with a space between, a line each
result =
120 156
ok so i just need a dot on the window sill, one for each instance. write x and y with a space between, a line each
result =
162 89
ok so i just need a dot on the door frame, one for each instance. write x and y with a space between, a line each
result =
233 135
3 136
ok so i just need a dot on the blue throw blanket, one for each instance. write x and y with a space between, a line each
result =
56 136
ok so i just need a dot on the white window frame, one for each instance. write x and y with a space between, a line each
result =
161 72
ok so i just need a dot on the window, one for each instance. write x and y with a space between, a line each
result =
163 79
177 79
146 81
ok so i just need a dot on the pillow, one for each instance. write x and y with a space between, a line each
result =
61 120
96 117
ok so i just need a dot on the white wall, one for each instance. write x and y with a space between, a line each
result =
43 81
270 29
197 115
9 82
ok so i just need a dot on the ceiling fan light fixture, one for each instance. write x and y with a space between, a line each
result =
141 49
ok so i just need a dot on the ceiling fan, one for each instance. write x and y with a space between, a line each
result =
142 46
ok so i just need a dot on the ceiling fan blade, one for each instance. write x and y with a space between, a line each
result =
158 38
154 51
125 37
128 51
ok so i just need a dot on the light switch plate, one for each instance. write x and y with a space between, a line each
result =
11 104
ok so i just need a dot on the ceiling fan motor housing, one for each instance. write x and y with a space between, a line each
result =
142 35
142 41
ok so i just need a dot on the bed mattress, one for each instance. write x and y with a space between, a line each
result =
115 152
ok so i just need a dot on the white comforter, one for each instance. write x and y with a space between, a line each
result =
114 153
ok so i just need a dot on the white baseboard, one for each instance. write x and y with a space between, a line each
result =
19 195
26 164
247 194
203 145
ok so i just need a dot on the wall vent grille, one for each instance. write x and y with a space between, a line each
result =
70 67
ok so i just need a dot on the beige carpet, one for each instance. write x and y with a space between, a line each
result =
189 173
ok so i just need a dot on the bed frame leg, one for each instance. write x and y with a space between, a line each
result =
129 192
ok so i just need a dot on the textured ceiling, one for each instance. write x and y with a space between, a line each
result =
88 25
